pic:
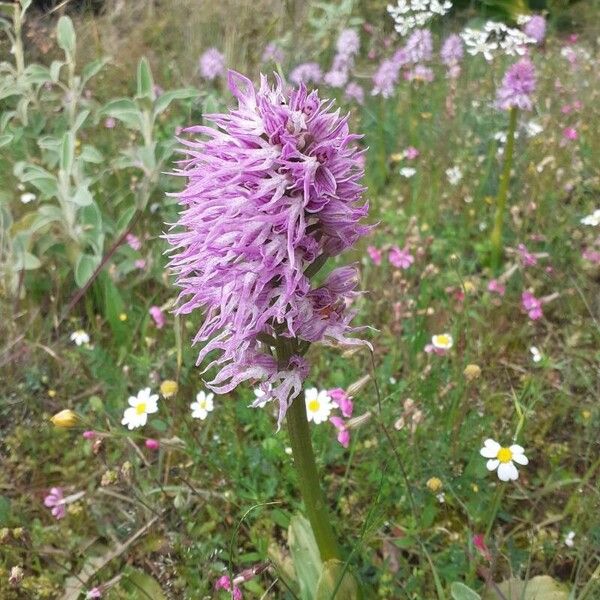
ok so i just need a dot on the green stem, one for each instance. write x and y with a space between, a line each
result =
308 480
495 508
496 235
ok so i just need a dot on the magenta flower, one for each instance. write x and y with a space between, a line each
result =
343 436
481 546
401 259
110 123
517 86
452 51
212 64
341 399
532 305
158 316
374 254
496 287
224 583
591 255
140 263
274 189
152 444
55 501
527 259
133 241
306 73
95 592
536 28
89 435
570 133
355 92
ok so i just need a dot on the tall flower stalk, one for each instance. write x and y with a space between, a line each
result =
515 93
272 193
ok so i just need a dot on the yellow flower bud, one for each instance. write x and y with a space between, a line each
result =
434 484
472 372
168 388
65 418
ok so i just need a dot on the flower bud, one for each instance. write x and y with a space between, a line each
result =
472 372
65 418
168 388
434 484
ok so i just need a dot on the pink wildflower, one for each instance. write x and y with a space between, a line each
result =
480 545
343 436
591 255
224 583
527 259
158 315
89 435
570 133
140 263
496 287
152 444
54 500
375 254
341 399
532 305
133 241
110 123
95 592
401 259
411 153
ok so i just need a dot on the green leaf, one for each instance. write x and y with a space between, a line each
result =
143 585
37 74
163 101
91 154
542 587
4 511
25 4
125 110
81 117
125 218
82 196
329 583
145 84
5 139
26 261
113 306
65 35
67 152
92 69
85 266
305 556
459 591
55 68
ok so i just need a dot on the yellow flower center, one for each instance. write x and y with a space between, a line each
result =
202 404
140 409
504 455
313 405
442 340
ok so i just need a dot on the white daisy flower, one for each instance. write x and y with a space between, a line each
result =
80 337
203 405
140 406
318 405
454 175
536 355
407 172
27 197
503 459
593 220
533 128
444 341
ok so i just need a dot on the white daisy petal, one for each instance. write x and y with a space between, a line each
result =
492 464
507 472
521 459
516 449
490 449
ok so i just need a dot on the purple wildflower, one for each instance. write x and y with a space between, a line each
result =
348 43
517 86
536 28
532 305
401 258
355 92
273 53
420 73
306 73
212 64
527 258
385 78
336 79
55 501
452 50
158 316
275 188
133 241
419 46
224 583
343 436
341 399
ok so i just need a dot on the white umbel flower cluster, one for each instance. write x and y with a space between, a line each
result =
409 14
495 39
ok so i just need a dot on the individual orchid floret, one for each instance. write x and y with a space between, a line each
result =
354 92
272 192
419 46
517 86
452 50
386 78
306 73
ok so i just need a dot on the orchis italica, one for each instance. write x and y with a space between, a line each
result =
272 192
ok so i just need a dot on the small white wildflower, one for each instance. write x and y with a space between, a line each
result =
454 175
318 405
80 337
503 459
27 197
592 220
203 405
570 539
407 172
535 354
140 407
